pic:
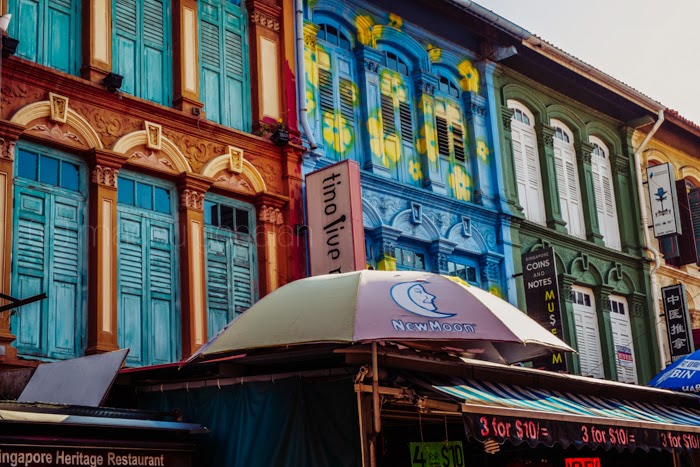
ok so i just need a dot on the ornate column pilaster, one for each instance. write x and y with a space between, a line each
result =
9 133
102 247
272 239
97 39
294 242
191 191
608 351
311 79
566 282
510 187
424 84
368 61
186 56
584 153
441 250
386 238
480 158
629 218
491 276
545 145
266 51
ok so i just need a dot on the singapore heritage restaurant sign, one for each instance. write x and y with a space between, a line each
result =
542 300
680 337
334 216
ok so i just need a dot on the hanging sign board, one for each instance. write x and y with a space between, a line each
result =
440 454
542 300
334 217
680 339
663 200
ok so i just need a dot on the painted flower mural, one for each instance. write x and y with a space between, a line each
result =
470 76
482 150
338 136
415 171
460 183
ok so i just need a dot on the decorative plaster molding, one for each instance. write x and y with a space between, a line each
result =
105 176
54 132
154 135
236 159
37 110
545 140
152 160
191 199
427 88
371 65
263 20
271 215
7 149
59 108
507 118
477 110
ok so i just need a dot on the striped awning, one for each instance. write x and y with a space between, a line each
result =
525 414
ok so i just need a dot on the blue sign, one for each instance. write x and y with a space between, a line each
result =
683 375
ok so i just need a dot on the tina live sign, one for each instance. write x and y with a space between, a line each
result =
542 299
334 216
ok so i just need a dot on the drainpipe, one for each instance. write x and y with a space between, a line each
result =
655 255
301 75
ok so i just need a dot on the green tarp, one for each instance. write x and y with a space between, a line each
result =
288 423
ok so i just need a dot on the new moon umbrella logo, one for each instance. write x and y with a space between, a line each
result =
412 296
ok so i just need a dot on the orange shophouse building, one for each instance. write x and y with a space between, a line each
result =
152 209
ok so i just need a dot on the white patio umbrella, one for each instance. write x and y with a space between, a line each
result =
418 309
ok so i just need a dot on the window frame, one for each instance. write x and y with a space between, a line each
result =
602 168
575 226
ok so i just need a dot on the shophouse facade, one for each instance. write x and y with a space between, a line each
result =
677 141
412 108
568 158
151 214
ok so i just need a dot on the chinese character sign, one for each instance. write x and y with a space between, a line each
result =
677 321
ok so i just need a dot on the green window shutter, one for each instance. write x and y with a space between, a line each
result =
53 327
219 301
224 72
156 63
148 263
126 60
48 32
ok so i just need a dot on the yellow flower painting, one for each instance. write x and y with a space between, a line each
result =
415 171
460 184
482 150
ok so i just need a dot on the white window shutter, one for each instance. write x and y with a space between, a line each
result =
612 234
588 338
622 337
534 185
559 166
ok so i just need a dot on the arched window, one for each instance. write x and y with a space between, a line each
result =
48 32
230 260
526 162
49 252
337 93
141 48
147 261
567 179
451 138
398 120
604 194
223 52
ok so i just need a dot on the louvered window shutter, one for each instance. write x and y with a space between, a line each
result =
534 191
694 203
61 35
127 59
443 139
406 122
219 300
599 199
687 250
243 268
210 62
612 229
347 100
162 292
575 211
388 115
458 139
156 62
132 293
236 81
562 187
325 92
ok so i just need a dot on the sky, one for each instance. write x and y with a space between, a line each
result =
651 45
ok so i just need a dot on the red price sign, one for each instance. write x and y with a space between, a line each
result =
582 462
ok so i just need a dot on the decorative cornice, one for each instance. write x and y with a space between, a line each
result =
477 110
271 215
192 199
105 176
545 136
427 88
584 151
266 21
619 165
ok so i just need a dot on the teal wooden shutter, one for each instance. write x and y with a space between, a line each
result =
48 32
156 59
48 258
141 48
231 278
224 73
125 46
148 323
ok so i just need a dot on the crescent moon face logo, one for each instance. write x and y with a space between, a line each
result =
412 296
